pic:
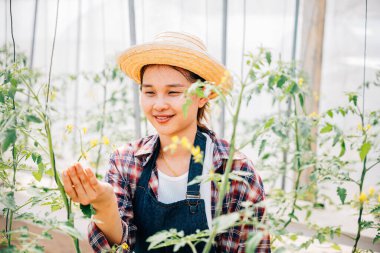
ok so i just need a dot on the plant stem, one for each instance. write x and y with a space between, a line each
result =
299 171
193 249
9 216
364 170
225 181
58 180
361 207
101 129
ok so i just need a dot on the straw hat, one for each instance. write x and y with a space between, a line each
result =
176 49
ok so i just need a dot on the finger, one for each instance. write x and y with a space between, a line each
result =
92 179
67 185
87 185
77 184
82 177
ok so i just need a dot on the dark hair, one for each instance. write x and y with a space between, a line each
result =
191 77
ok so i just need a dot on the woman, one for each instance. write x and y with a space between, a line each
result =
146 188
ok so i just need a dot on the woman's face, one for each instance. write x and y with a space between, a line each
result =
162 98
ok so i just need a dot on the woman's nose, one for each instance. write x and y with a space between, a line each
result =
160 104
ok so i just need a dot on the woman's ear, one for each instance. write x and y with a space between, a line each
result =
202 102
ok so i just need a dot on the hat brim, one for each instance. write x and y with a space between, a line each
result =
204 65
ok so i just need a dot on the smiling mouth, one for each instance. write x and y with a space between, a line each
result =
163 119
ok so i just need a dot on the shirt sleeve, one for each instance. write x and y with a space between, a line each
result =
118 178
252 190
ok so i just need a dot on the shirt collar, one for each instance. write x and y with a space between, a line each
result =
221 149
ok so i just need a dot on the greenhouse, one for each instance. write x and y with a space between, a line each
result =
190 126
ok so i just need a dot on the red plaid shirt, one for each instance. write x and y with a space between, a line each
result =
125 168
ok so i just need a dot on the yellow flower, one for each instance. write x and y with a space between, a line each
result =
106 141
84 155
211 174
368 127
185 143
313 115
364 128
84 130
125 246
226 80
363 197
198 158
195 150
175 139
378 198
300 82
94 142
53 95
371 191
172 147
69 128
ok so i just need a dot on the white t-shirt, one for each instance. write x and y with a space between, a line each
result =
173 189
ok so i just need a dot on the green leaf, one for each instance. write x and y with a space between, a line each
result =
36 158
268 57
38 174
262 146
87 210
7 200
50 172
281 81
376 210
330 113
33 118
253 242
327 128
342 193
252 74
10 137
376 239
293 216
366 224
280 250
308 214
353 97
336 139
226 221
68 228
185 107
300 96
342 148
293 237
364 149
271 81
336 247
269 123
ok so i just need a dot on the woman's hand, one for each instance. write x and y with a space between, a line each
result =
82 186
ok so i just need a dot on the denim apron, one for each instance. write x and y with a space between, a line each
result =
151 216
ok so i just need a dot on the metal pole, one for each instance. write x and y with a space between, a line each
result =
77 67
294 52
224 60
243 42
132 31
6 33
33 37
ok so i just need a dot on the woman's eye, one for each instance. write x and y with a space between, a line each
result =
174 92
149 92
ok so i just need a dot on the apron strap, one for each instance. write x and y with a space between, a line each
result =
196 168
